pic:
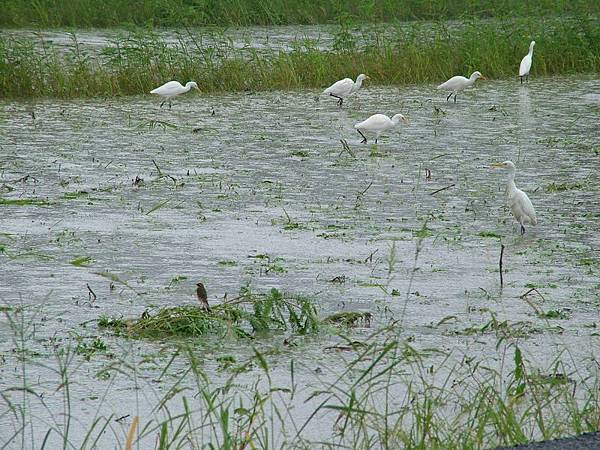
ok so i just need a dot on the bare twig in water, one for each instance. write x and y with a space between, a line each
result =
91 294
346 147
522 296
442 189
370 257
500 264
160 174
366 189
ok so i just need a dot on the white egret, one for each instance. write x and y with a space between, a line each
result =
377 124
345 88
525 66
459 83
517 200
172 89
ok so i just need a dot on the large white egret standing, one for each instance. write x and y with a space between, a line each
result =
377 124
459 83
525 66
345 88
517 200
172 89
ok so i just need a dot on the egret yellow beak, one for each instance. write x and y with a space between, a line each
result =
482 77
367 77
498 165
406 121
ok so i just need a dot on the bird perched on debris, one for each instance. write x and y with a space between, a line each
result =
202 297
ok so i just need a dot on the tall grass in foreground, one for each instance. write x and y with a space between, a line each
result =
419 54
106 13
384 394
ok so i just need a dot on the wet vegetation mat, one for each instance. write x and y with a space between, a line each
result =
264 314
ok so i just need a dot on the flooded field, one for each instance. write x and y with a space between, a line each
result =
285 37
114 207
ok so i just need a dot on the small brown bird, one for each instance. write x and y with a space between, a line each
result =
202 297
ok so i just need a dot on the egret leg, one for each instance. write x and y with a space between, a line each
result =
364 139
169 103
376 140
448 98
527 78
163 102
455 97
340 99
521 80
522 230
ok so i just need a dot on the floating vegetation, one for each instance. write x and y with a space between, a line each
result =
81 261
489 234
23 202
247 316
350 318
75 195
553 314
567 186
507 329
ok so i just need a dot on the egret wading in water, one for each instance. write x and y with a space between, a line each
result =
525 66
459 83
377 124
517 200
345 88
172 89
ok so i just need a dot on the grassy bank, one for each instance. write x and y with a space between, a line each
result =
111 13
135 65
384 393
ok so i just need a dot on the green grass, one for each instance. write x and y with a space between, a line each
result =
249 315
81 261
23 202
111 13
560 187
143 61
385 393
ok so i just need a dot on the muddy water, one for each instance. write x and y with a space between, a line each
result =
230 184
286 38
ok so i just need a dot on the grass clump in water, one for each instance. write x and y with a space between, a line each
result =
23 202
247 316
416 53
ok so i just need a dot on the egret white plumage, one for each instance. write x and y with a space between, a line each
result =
172 89
517 200
525 66
459 83
377 124
345 88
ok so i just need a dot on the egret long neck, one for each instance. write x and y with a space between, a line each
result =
511 187
530 50
357 84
